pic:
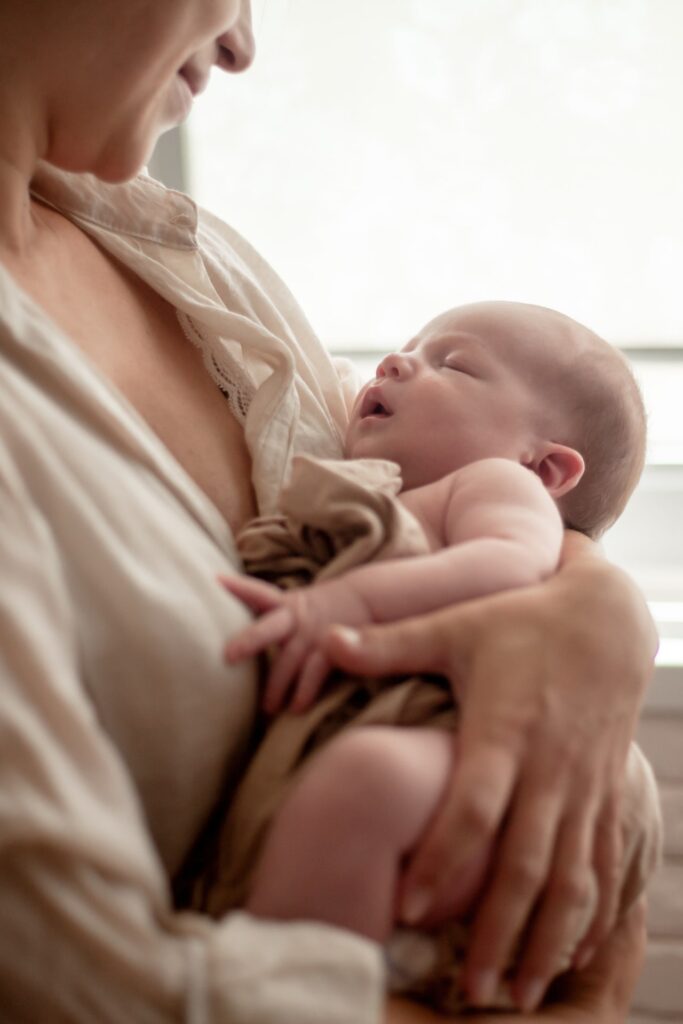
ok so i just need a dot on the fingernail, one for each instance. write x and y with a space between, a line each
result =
584 958
483 988
351 637
415 905
531 995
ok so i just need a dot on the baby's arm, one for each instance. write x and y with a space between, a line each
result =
501 530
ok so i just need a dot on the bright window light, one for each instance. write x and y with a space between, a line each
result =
395 157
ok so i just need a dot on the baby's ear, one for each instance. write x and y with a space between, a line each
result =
559 467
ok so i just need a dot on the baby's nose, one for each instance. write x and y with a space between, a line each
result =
396 364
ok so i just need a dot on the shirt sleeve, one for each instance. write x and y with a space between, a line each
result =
87 931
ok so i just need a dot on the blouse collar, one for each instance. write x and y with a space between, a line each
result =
142 208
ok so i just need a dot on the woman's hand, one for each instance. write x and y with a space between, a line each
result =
601 994
550 680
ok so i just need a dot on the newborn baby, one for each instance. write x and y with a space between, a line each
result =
508 423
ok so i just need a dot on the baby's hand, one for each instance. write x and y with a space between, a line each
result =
295 620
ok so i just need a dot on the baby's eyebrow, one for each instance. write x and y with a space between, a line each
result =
458 337
463 340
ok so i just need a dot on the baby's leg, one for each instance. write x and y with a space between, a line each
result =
334 850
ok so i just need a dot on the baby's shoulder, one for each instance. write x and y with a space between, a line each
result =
495 476
493 486
484 474
428 504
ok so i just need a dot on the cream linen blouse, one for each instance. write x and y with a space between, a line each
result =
119 722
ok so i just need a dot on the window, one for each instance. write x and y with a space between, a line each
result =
398 157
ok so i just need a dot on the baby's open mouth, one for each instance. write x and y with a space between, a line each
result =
373 404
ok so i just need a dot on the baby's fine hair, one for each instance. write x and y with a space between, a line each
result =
607 424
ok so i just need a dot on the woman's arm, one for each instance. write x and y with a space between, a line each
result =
552 678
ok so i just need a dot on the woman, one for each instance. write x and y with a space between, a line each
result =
123 472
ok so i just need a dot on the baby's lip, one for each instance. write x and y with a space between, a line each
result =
374 403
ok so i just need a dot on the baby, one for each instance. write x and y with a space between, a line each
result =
508 422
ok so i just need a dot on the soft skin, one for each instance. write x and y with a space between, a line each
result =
89 86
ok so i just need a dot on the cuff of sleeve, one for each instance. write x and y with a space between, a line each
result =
271 972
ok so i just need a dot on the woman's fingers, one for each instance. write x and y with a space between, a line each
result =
607 858
411 645
443 874
604 990
617 964
563 913
522 865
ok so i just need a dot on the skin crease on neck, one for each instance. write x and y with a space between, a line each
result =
128 331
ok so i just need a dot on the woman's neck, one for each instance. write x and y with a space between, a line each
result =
22 143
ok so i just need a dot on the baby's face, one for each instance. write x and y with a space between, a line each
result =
466 387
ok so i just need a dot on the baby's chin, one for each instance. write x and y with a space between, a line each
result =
357 450
350 445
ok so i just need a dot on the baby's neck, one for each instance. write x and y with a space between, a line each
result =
427 504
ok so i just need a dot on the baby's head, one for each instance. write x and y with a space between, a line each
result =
510 380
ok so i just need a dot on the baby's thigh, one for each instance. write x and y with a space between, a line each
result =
381 778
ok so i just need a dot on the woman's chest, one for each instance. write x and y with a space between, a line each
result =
136 553
133 337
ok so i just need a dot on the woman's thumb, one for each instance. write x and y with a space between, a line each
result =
412 645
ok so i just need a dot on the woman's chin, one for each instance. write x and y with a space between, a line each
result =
122 168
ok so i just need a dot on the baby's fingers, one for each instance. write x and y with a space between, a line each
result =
313 674
274 628
257 595
285 668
